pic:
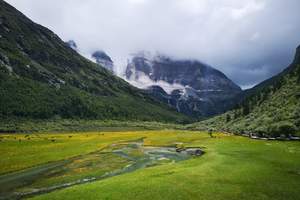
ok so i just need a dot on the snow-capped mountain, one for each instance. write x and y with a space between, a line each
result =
193 88
189 86
100 57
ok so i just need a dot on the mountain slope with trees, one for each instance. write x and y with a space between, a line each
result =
271 108
41 78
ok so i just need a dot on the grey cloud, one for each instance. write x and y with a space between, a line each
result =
248 40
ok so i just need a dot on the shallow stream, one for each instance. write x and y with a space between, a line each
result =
114 160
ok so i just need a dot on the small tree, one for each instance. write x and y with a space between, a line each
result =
246 109
210 133
228 118
282 128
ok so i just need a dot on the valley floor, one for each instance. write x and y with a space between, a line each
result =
145 165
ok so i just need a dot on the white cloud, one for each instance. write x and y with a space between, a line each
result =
248 9
255 36
137 1
234 36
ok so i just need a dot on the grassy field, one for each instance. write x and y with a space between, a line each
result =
232 168
23 125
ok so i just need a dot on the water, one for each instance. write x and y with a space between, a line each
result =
114 160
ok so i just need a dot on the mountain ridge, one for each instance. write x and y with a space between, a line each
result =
42 77
270 109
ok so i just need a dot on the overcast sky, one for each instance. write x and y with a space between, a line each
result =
248 40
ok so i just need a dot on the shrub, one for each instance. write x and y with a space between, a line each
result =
283 127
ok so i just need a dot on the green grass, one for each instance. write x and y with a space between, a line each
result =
232 168
22 125
40 148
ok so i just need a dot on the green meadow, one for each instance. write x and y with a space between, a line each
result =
118 165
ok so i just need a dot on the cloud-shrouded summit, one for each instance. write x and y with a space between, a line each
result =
248 40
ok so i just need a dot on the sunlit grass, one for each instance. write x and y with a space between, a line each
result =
232 167
23 150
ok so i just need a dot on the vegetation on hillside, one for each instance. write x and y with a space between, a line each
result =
78 125
269 109
42 78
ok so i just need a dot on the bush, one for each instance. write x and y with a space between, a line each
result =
282 128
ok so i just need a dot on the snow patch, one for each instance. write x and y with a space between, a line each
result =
143 82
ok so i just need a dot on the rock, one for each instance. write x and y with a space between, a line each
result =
6 29
178 150
103 59
295 138
4 58
194 151
72 44
9 69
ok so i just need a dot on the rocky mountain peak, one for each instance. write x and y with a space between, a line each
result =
297 56
103 59
192 87
72 44
190 73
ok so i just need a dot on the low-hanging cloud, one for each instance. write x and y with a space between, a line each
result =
143 81
248 40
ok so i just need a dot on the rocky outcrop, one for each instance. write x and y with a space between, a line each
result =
103 59
72 44
100 57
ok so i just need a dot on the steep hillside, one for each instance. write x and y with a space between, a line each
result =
42 77
270 108
190 86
